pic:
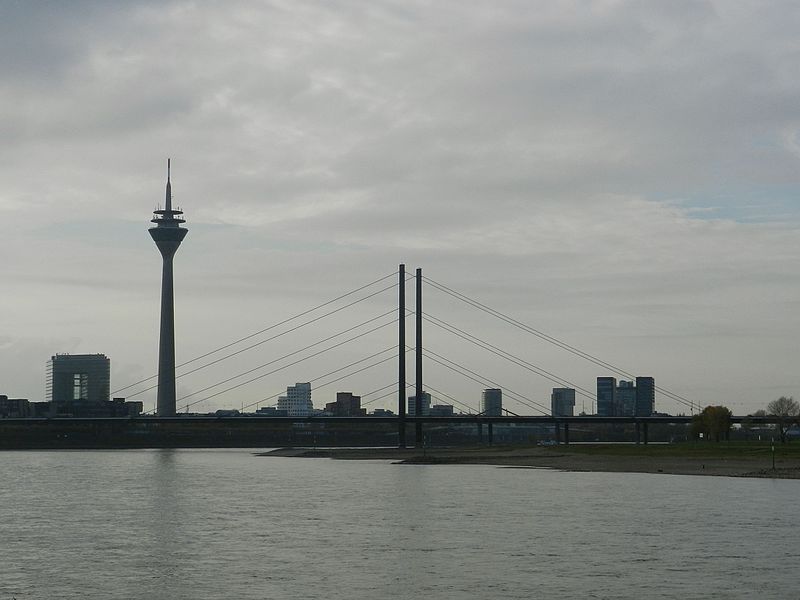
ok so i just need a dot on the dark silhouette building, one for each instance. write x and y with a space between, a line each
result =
346 405
626 399
442 410
168 235
14 408
73 377
562 402
606 396
645 396
94 409
425 405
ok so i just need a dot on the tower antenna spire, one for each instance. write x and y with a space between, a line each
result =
168 235
169 188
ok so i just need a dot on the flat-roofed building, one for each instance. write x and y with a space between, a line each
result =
411 411
645 396
71 377
562 402
626 399
442 410
492 402
607 396
346 405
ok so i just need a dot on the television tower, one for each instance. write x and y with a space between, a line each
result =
168 235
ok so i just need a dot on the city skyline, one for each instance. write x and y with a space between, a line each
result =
635 196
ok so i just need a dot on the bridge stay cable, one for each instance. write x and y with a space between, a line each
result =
521 362
481 379
313 355
345 376
451 398
548 338
280 358
393 391
190 404
278 324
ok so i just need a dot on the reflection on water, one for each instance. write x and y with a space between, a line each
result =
195 524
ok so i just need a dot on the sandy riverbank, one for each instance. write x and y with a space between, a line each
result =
712 461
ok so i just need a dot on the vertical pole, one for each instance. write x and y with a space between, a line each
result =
491 433
645 432
401 366
418 399
566 433
165 398
558 433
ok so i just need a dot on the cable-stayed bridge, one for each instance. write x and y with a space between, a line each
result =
365 340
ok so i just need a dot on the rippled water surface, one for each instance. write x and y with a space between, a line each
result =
196 524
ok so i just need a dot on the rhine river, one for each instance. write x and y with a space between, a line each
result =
202 524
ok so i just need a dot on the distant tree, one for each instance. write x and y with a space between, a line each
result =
714 423
787 410
747 422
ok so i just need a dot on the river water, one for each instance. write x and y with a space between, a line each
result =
197 524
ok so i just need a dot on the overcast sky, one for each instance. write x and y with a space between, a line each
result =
620 175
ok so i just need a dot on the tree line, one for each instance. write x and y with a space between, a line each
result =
714 422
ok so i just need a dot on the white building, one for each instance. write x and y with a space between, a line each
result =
297 401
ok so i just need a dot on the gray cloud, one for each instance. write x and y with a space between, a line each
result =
619 174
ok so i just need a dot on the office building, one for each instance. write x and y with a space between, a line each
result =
72 377
297 401
442 410
346 405
14 408
426 405
562 402
606 396
492 403
625 399
645 396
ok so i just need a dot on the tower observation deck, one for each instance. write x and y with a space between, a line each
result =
168 235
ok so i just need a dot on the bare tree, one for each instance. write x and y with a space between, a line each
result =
787 410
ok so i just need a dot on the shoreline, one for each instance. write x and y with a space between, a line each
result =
715 462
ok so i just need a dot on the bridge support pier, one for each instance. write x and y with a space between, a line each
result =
644 428
490 431
566 434
558 433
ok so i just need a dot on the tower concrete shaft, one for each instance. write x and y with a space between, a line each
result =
168 235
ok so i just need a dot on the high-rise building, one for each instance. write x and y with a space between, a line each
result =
411 411
626 399
645 396
71 377
562 402
606 396
168 235
297 401
492 402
